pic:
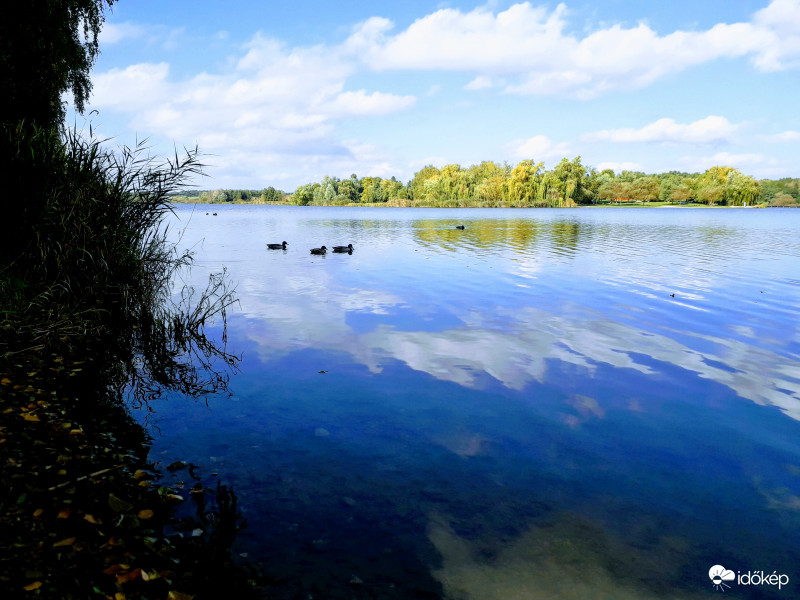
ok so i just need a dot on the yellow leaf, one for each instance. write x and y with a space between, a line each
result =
38 512
144 483
91 519
6 381
66 542
30 417
33 586
76 432
139 474
64 513
145 514
119 596
173 595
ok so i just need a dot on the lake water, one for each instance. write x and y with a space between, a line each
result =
590 403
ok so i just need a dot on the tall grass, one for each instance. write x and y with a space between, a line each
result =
87 255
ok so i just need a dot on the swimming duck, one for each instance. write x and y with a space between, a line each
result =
348 248
281 246
459 227
321 250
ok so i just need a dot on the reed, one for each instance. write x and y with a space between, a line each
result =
87 256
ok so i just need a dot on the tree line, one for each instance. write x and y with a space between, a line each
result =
569 183
267 195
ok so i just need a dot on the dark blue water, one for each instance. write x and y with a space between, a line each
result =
591 403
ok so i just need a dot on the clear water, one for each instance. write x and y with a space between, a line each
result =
579 403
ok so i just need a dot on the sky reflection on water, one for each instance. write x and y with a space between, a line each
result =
532 375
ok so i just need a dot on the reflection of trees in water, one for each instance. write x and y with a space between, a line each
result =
564 236
522 234
481 233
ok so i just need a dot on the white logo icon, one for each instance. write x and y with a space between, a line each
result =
719 575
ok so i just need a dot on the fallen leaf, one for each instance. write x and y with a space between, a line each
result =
119 505
38 512
30 417
64 513
130 576
139 474
33 586
145 514
173 595
6 381
114 569
144 483
66 542
92 520
119 596
76 432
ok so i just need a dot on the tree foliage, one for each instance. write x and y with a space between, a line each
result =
529 184
46 49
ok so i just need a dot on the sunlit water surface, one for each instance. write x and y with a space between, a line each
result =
591 403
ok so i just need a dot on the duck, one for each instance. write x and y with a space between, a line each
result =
321 250
281 246
459 227
348 248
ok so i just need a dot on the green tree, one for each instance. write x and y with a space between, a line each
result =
304 194
417 184
47 48
567 180
644 189
740 189
711 185
270 194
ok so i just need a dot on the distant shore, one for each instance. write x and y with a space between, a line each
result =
466 204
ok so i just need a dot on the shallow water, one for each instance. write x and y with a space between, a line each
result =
579 403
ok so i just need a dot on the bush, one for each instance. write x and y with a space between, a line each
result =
783 200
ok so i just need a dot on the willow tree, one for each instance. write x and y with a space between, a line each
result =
740 189
46 49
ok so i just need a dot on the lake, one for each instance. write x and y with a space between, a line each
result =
585 403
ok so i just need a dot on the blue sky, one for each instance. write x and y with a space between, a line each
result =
281 94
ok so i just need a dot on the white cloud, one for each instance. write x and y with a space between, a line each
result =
277 102
361 103
113 33
479 83
750 163
783 136
711 130
540 147
530 46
